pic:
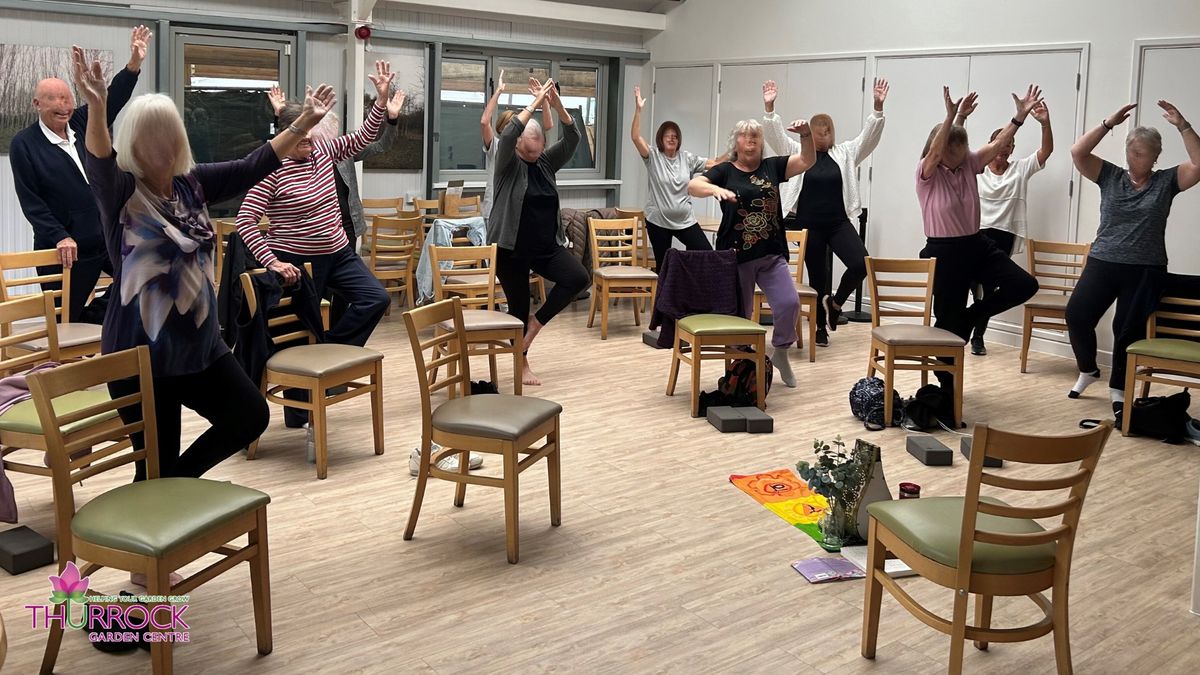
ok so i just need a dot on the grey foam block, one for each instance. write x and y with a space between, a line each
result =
22 549
757 421
929 451
964 446
726 419
650 339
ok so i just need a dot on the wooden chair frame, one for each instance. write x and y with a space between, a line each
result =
462 207
723 348
32 260
645 254
275 383
390 206
797 245
1065 269
923 358
614 243
66 472
1083 449
389 249
450 348
476 289
1153 369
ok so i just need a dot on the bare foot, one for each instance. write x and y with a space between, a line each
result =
139 579
531 331
527 377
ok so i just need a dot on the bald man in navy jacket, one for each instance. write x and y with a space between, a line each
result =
48 172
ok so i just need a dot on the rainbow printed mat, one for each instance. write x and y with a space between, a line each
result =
787 496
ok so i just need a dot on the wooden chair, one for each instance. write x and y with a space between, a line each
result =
493 423
718 337
152 527
1164 359
75 340
645 254
488 331
983 546
1057 267
463 207
316 368
389 207
615 273
907 346
797 244
388 248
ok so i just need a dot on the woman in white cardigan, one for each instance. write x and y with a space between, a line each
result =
824 200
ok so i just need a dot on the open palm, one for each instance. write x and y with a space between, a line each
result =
1171 114
320 101
89 79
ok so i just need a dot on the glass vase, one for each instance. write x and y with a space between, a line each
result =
833 525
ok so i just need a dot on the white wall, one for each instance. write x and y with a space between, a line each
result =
719 30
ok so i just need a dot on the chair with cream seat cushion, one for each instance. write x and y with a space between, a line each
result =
1057 266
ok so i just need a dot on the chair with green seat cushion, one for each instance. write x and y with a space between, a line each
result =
22 418
984 546
711 337
719 324
1170 354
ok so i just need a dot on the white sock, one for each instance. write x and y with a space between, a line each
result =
1116 395
1085 380
779 356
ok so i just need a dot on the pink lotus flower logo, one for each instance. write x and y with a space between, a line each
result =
69 586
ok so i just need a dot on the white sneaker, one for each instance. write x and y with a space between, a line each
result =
447 464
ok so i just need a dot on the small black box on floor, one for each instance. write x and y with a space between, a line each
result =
964 446
22 549
650 339
929 451
757 421
726 419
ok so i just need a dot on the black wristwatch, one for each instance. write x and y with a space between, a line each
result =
1104 123
1017 122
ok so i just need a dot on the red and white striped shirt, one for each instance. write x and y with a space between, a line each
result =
300 199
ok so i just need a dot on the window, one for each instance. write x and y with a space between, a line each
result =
463 96
580 93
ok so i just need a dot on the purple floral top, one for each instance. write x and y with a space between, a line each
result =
163 293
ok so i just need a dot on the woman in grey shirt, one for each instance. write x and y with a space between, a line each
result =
668 205
1128 259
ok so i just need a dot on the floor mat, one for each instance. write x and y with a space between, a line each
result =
787 496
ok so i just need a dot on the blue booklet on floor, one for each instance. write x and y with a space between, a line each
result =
820 570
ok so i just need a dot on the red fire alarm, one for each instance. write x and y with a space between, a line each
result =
362 32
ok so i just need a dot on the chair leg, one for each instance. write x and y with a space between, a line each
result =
592 303
674 374
983 617
460 487
377 406
518 362
253 447
511 517
1130 384
697 349
637 311
1145 388
492 369
873 593
158 582
554 472
1062 636
760 372
260 585
889 376
959 372
1026 337
871 362
958 633
419 495
319 418
604 302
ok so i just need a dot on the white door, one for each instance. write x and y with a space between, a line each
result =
685 96
740 94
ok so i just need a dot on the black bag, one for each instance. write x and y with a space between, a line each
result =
930 408
740 386
866 402
1162 417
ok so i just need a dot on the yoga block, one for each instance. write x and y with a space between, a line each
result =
929 451
757 421
650 339
964 446
726 419
22 549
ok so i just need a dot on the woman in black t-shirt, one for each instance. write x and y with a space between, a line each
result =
748 187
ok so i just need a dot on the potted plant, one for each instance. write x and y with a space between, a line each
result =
839 476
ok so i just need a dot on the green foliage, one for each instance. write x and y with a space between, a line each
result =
837 474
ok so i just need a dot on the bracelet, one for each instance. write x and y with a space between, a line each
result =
1016 122
1186 129
296 130
529 110
806 135
1104 123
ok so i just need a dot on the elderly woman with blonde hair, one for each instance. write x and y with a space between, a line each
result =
1128 259
153 204
748 187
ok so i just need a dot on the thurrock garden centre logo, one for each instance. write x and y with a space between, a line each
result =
113 618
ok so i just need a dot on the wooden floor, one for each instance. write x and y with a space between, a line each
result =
660 564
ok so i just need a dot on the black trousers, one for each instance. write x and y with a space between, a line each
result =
338 304
843 239
558 266
1101 284
1005 241
84 275
692 238
963 262
222 394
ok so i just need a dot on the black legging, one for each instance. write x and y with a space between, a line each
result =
222 393
1005 241
84 275
693 239
843 239
1101 283
559 267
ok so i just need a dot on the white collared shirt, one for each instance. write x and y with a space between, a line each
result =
67 144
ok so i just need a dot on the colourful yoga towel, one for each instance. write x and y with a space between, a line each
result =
787 496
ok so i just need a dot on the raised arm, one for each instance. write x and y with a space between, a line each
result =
489 111
1081 153
561 151
799 162
635 131
547 112
1025 105
773 132
938 145
965 109
351 144
866 141
1041 113
1189 172
89 80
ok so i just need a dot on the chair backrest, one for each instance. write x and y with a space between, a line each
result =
797 246
16 316
473 269
390 242
641 238
439 351
1175 317
1057 264
13 286
284 325
429 209
904 280
613 241
463 207
389 206
1076 454
48 386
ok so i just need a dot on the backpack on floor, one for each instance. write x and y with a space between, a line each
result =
1163 417
930 408
739 385
867 403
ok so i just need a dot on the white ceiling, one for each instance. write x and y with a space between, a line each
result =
635 5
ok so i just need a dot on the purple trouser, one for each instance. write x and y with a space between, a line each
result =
771 274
